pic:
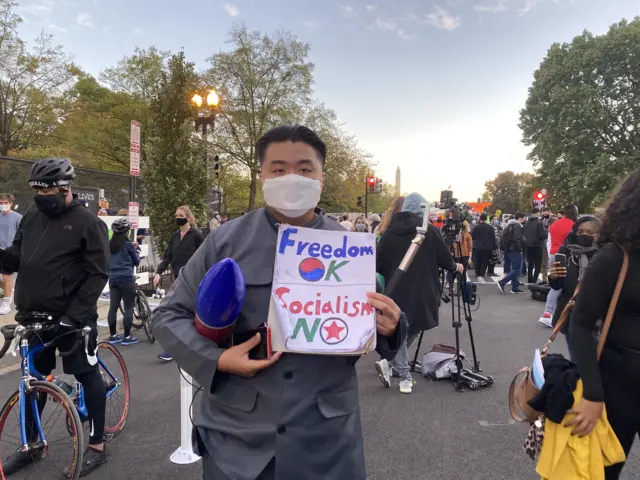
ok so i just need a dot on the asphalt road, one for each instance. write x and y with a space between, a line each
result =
433 434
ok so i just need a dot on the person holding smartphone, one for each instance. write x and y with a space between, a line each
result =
289 416
570 263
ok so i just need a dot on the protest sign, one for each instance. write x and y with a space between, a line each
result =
319 295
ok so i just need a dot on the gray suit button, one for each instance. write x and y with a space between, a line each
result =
282 429
288 375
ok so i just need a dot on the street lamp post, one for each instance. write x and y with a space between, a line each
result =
207 105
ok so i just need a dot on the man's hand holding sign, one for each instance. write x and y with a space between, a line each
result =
387 313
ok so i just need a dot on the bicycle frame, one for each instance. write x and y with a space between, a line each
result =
30 373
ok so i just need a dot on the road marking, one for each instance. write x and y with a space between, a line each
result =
503 423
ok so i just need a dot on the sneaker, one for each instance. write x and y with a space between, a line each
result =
91 460
114 338
480 280
5 307
500 285
516 290
546 320
384 372
19 460
165 357
406 386
130 340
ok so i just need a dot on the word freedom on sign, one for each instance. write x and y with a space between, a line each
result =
315 249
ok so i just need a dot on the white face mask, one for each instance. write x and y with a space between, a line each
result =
292 195
4 208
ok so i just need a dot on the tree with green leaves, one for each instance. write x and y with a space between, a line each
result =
262 81
32 83
138 75
582 114
174 171
509 192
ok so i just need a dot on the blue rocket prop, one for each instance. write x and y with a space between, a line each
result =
219 300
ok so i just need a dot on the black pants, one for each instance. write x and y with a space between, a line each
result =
534 263
622 399
78 366
126 293
482 262
465 264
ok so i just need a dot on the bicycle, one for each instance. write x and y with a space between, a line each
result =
34 388
141 314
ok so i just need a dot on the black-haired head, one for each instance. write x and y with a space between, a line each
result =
291 133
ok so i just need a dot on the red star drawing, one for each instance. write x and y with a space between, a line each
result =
333 331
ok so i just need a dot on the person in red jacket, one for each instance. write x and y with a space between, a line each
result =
561 229
558 233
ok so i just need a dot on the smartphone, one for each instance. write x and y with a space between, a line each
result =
260 351
561 258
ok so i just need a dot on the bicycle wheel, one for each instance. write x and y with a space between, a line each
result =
43 462
118 388
136 321
145 315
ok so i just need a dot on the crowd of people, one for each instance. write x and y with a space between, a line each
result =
263 417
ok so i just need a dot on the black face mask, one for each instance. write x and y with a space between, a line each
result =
51 205
584 240
546 215
181 221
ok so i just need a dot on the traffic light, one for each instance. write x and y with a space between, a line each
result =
539 199
371 184
361 202
378 185
216 166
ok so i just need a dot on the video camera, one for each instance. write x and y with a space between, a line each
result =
454 218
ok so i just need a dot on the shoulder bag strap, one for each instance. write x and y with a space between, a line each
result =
614 303
561 321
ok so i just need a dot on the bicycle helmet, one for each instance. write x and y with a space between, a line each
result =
121 225
51 172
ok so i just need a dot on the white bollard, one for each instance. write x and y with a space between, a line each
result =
185 455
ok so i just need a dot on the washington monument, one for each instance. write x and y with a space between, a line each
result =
398 190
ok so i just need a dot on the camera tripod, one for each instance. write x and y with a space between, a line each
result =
462 377
472 379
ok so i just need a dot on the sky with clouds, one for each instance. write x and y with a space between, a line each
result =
432 86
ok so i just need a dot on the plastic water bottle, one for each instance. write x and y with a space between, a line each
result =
65 386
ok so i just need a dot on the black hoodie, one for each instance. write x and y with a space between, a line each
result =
62 263
418 295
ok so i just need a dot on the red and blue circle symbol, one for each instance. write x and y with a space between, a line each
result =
311 269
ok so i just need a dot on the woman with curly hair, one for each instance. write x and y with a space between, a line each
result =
615 380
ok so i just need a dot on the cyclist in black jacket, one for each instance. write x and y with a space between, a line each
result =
61 254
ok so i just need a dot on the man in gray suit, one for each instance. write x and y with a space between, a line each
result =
290 416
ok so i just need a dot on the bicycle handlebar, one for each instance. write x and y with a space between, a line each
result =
8 333
73 349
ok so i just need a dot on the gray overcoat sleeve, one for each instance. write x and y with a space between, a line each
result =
172 322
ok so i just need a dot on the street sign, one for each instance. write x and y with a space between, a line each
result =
134 212
89 195
134 155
